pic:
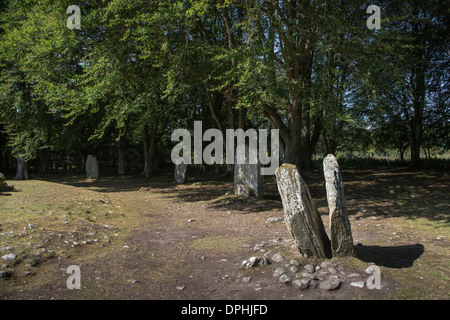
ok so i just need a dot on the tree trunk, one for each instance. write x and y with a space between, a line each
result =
152 164
121 160
146 146
416 123
44 161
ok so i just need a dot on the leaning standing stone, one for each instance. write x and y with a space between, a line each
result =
300 213
92 167
340 230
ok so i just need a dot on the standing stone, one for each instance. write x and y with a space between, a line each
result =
248 180
23 172
340 230
92 167
300 213
180 172
2 182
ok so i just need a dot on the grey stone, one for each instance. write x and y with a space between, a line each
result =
284 278
326 265
274 219
92 171
300 213
6 249
294 269
254 262
180 173
300 284
353 275
329 285
277 257
248 180
310 268
340 229
294 262
332 270
9 257
358 284
246 279
278 272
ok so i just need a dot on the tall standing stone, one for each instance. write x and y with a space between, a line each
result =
340 229
180 172
92 171
248 180
300 213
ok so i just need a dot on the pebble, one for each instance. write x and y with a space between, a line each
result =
358 284
353 275
294 262
277 257
273 219
326 265
300 284
246 279
310 268
278 272
9 257
284 279
329 285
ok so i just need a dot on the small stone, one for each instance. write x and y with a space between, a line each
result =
353 275
329 285
278 272
9 257
310 268
246 279
363 210
358 284
294 262
277 257
179 288
313 284
6 249
284 279
191 220
300 284
294 269
332 270
258 246
134 281
326 265
318 268
273 219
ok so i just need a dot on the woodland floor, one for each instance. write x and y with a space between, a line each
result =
137 238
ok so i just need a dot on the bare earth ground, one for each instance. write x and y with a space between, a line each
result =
136 238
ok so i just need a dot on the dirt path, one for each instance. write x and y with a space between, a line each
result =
188 242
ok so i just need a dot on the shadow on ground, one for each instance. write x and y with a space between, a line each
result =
390 257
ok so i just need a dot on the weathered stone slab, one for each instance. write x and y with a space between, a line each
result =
248 180
300 213
340 229
92 171
180 172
